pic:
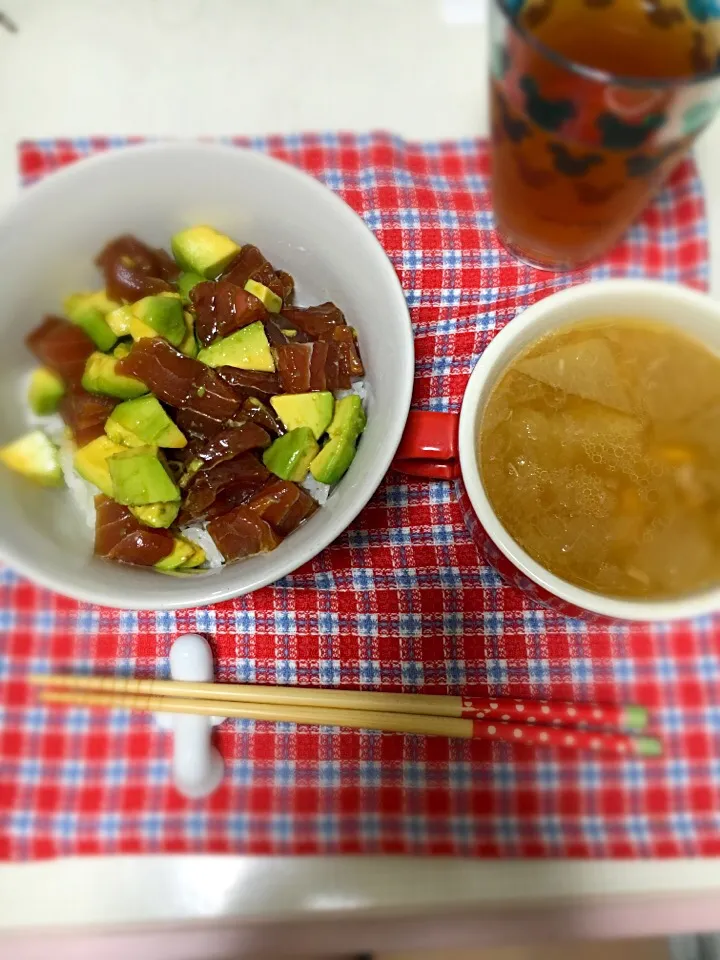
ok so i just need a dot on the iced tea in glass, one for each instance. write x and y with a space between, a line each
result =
593 102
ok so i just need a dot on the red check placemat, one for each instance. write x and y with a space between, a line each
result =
401 601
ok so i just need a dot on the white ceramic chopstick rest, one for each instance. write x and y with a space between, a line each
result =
197 766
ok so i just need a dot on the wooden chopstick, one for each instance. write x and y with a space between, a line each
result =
596 741
438 705
357 719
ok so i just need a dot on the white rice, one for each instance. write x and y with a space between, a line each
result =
82 492
358 388
51 425
318 491
197 532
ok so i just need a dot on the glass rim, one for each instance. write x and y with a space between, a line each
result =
602 76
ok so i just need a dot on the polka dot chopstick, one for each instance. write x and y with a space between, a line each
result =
556 713
426 714
596 741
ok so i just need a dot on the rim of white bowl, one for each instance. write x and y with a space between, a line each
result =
486 371
200 591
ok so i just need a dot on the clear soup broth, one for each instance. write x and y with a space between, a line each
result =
599 449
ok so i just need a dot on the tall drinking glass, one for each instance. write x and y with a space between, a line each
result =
593 104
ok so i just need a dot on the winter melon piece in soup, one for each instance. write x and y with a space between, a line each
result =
585 369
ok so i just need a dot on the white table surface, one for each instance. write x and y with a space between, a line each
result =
190 67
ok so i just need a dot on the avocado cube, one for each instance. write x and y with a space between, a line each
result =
100 377
96 327
330 465
91 462
290 455
140 330
34 456
182 552
119 320
88 311
139 477
185 282
45 391
158 317
269 298
157 514
89 298
197 559
189 346
190 470
143 421
121 349
314 410
119 434
247 349
349 419
203 250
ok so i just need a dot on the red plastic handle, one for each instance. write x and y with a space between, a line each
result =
429 447
428 469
